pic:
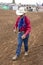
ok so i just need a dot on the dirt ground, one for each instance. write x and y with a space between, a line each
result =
8 40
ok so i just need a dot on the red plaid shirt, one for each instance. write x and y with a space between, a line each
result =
28 25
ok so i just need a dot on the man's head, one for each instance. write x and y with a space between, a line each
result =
21 11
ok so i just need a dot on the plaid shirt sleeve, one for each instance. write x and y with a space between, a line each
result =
28 26
16 24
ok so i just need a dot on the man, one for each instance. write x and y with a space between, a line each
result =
24 28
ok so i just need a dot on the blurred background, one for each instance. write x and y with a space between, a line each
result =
30 5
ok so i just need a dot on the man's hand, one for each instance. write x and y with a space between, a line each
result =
14 30
23 36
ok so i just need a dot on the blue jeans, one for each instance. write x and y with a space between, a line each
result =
20 40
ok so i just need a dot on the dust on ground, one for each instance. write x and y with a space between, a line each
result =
8 40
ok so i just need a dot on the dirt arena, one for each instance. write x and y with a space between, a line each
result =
8 40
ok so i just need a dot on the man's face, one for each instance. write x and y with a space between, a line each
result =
22 15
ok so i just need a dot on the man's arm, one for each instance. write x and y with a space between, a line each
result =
16 24
28 26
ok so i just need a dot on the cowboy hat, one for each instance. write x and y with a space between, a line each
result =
20 11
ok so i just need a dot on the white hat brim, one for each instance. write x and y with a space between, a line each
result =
19 13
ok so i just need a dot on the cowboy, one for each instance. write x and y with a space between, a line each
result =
24 28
